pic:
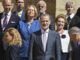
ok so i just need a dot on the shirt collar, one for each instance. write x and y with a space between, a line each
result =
71 16
7 13
45 31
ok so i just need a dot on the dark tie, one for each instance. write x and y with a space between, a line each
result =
5 21
68 22
69 19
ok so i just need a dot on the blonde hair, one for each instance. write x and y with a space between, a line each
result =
35 10
15 35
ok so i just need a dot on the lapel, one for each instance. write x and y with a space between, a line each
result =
39 42
11 18
22 16
48 40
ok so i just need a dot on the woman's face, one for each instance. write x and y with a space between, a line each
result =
60 23
30 12
7 37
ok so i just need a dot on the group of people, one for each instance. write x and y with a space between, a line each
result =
31 35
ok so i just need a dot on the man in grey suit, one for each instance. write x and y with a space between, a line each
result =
45 43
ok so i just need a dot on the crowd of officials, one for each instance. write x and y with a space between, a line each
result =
35 35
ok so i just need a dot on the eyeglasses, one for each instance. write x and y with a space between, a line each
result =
41 6
20 2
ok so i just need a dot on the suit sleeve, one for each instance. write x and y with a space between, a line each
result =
52 25
32 37
58 47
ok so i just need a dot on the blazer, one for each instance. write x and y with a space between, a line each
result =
25 34
75 51
13 22
12 53
22 15
53 47
74 22
78 12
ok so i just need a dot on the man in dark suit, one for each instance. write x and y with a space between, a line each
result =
7 20
42 7
72 19
19 9
45 43
74 33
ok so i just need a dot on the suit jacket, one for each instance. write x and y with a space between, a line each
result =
53 47
74 22
13 22
78 12
52 25
12 53
75 51
22 15
25 34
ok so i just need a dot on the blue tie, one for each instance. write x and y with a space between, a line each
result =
5 21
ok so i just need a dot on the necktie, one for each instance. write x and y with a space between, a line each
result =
68 22
5 21
68 19
19 14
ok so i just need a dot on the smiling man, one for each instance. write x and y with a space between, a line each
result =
45 44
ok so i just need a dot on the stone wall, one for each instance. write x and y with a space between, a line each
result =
60 6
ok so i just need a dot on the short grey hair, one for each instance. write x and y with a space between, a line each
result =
74 30
45 15
42 1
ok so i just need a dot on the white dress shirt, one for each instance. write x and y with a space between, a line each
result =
8 18
44 37
71 16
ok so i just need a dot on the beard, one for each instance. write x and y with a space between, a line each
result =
45 27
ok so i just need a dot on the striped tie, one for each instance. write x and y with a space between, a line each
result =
5 21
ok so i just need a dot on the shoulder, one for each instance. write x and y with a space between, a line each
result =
54 32
76 17
22 21
1 13
37 32
36 21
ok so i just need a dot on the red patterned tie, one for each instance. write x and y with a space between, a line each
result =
5 21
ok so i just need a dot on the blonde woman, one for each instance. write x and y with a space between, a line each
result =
26 28
13 40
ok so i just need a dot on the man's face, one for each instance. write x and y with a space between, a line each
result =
74 37
20 5
45 22
41 7
7 6
69 9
